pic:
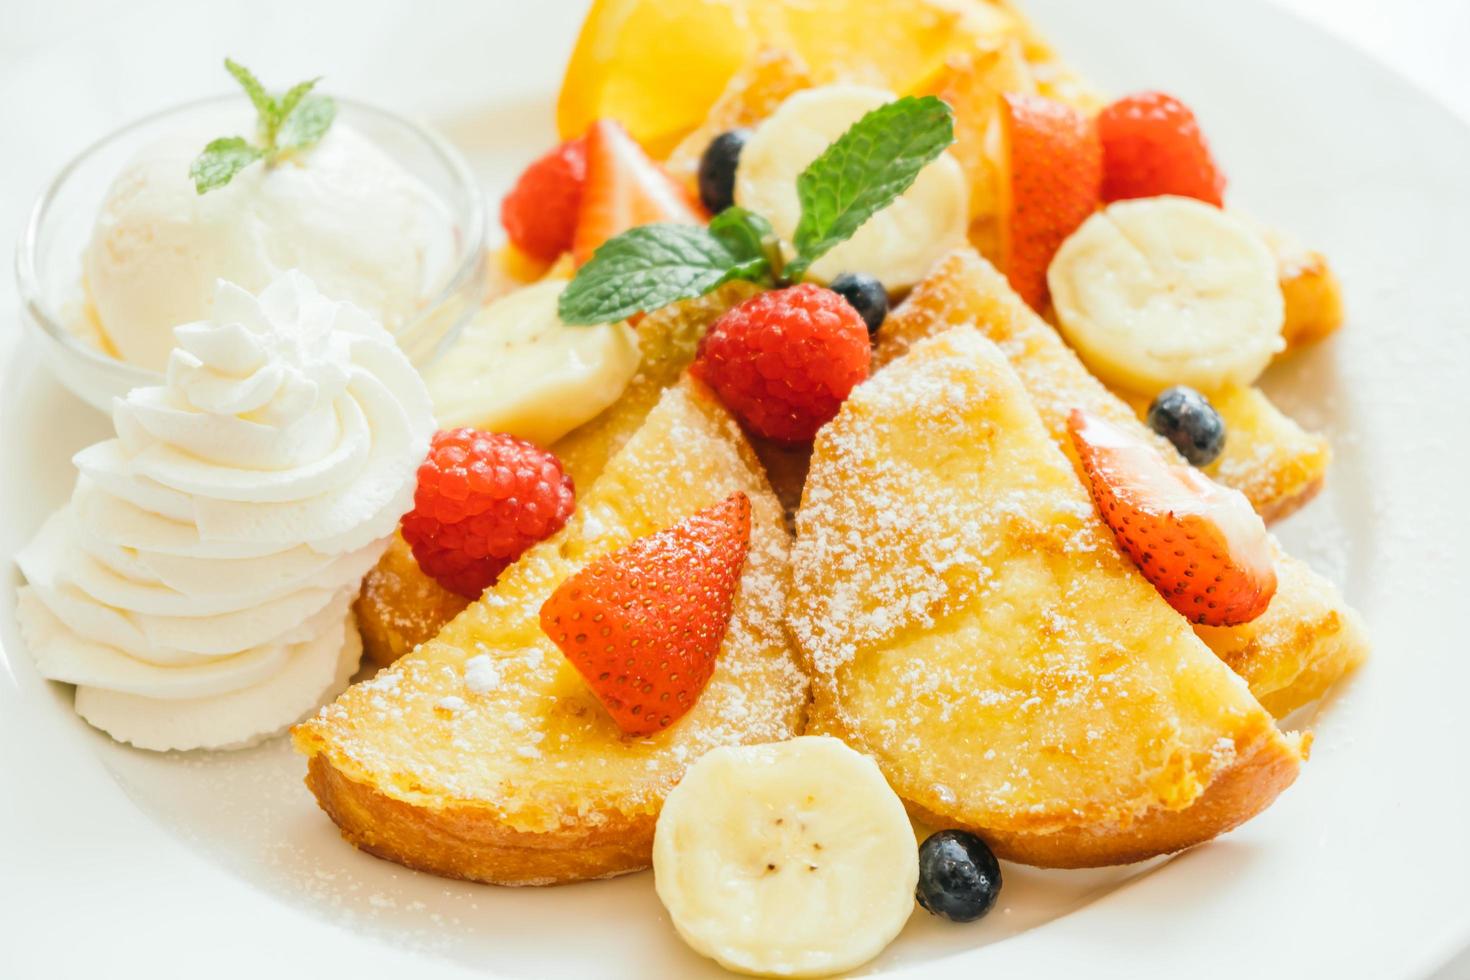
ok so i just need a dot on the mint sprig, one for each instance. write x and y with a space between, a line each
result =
861 173
843 187
284 124
652 266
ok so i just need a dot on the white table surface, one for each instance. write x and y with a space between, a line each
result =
48 47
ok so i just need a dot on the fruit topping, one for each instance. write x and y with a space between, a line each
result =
1051 172
1198 543
540 212
856 192
660 66
517 368
654 65
790 859
1152 145
785 360
717 170
867 296
972 83
959 877
1166 290
1188 420
625 189
644 624
891 203
482 499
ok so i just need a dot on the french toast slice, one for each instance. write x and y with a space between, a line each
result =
400 607
1308 637
483 754
970 622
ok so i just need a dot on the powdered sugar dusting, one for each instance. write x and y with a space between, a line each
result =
971 623
531 742
480 675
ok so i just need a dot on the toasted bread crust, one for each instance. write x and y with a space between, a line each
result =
1265 769
469 843
1267 762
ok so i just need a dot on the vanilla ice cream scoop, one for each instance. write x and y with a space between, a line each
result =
343 212
197 588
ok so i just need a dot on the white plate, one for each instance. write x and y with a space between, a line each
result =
114 860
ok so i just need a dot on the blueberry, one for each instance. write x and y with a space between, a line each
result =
1188 420
866 295
958 876
717 169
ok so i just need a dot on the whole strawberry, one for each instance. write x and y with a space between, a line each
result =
1152 145
644 625
785 361
482 499
540 212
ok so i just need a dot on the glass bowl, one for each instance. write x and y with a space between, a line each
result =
48 260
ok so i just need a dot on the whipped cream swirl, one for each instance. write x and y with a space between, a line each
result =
222 535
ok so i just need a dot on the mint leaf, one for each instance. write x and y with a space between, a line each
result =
860 174
651 266
308 122
294 121
295 94
221 160
265 107
870 165
747 235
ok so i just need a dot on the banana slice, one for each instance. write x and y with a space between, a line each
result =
1168 290
899 243
792 859
517 368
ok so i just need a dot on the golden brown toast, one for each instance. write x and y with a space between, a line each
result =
1309 287
401 607
970 622
1307 638
483 754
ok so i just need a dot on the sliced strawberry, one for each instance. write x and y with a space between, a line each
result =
644 624
1200 544
625 189
1051 175
1152 145
540 212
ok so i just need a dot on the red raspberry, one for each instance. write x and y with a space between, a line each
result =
1152 145
540 212
482 499
785 360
